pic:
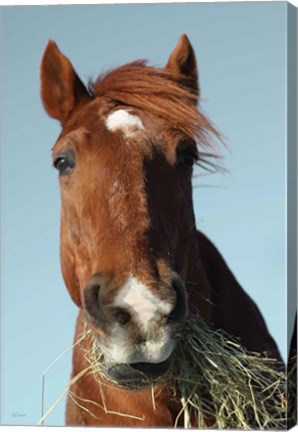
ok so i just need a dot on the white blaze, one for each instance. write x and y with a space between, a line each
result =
146 310
142 303
124 121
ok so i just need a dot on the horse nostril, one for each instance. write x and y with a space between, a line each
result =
91 298
121 315
95 292
179 312
97 301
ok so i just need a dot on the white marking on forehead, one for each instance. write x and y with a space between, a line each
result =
123 120
139 299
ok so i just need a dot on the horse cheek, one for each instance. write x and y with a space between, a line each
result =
69 273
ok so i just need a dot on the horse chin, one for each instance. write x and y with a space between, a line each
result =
135 376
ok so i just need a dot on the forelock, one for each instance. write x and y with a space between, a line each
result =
159 93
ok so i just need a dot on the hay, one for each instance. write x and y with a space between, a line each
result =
292 391
222 385
218 383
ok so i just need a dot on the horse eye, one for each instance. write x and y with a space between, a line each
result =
189 160
64 164
187 156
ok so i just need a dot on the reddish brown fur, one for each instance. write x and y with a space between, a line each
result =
127 210
115 220
158 92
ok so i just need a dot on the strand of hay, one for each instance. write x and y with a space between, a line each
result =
77 398
45 372
63 394
218 383
44 415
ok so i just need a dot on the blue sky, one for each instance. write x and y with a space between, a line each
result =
241 52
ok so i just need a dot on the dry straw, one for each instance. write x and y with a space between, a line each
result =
219 383
224 386
292 390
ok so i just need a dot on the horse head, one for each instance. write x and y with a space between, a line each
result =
125 159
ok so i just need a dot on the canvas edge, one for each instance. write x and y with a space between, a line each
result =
292 211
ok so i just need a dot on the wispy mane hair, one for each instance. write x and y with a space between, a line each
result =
163 94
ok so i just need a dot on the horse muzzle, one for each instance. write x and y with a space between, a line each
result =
136 328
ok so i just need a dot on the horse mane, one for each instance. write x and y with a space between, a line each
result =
168 96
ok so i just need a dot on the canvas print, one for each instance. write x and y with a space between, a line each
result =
149 216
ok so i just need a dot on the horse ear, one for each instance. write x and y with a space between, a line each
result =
61 88
183 62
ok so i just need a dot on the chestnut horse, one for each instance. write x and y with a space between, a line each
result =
132 259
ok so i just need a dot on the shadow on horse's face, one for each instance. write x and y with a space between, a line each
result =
127 214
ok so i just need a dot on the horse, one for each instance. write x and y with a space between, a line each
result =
132 258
